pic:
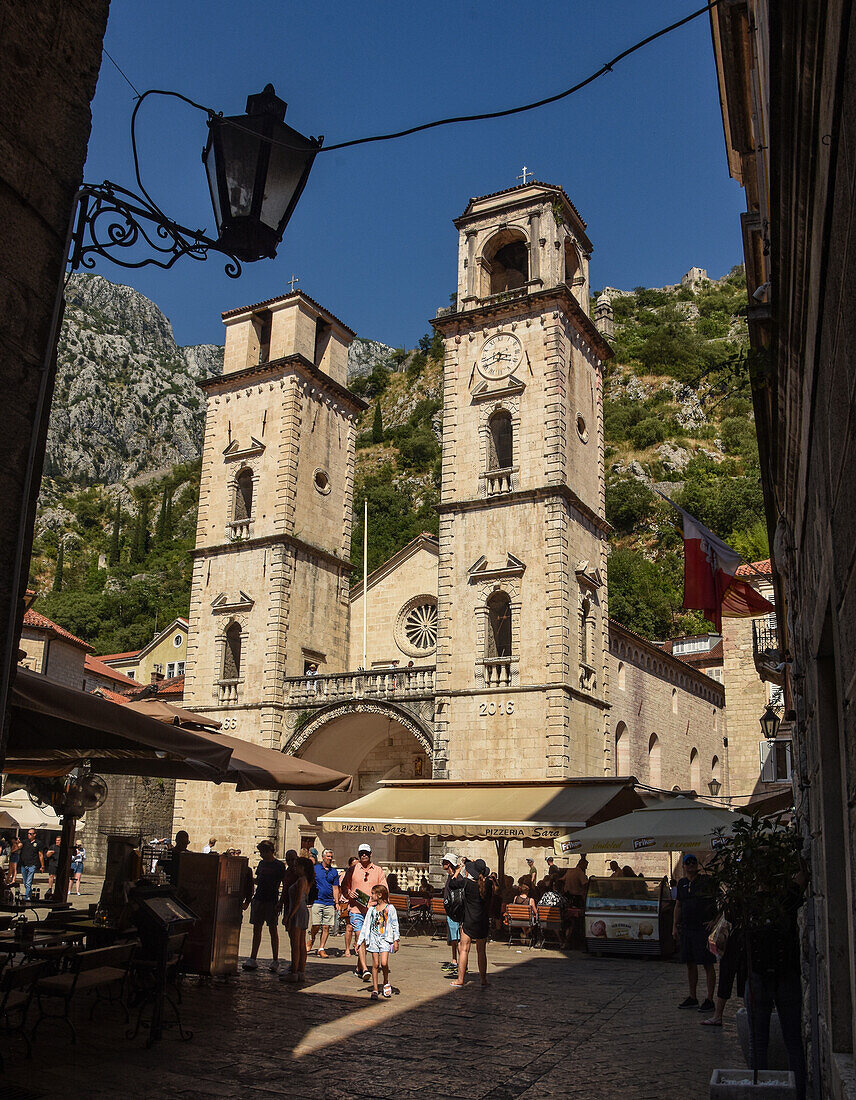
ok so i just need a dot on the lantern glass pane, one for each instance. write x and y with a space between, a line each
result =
211 171
285 171
240 159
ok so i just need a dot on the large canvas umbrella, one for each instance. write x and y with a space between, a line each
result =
680 824
20 813
177 716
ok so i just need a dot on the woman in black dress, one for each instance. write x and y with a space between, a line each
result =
478 893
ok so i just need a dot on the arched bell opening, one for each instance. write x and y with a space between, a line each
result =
504 263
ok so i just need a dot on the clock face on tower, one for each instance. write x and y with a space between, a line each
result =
500 356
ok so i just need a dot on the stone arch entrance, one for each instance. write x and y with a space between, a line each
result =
371 741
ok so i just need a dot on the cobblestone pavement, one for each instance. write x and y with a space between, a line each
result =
550 1025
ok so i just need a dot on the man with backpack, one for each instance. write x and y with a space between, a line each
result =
453 903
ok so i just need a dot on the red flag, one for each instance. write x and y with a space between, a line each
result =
710 584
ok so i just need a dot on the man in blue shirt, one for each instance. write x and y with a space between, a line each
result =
325 906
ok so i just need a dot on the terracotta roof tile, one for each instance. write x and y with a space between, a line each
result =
752 570
41 622
96 666
119 656
112 696
173 686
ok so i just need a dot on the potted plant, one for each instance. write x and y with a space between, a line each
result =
760 880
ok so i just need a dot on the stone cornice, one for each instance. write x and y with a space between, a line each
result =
467 319
296 362
522 689
521 496
238 545
631 639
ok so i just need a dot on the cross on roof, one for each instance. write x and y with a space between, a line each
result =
525 173
294 279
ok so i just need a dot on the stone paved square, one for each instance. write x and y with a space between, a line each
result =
551 1024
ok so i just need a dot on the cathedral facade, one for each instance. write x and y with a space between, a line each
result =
485 652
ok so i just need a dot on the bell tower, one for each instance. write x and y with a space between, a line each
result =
522 646
269 593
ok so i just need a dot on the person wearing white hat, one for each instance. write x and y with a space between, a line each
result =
453 899
365 875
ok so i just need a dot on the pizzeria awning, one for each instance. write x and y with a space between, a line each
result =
533 811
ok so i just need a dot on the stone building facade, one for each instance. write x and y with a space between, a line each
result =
51 58
487 651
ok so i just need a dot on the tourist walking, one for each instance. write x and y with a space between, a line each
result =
297 918
364 875
30 857
326 901
14 858
380 936
265 905
78 858
52 856
695 909
453 903
344 887
478 892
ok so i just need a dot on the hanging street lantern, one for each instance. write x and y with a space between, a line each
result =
257 168
770 722
714 786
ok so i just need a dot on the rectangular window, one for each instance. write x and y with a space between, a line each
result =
170 670
131 674
179 668
776 760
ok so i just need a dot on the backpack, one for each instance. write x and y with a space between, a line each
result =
453 900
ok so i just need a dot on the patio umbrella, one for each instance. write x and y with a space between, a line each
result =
681 824
168 712
20 813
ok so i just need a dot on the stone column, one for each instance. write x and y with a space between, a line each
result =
535 245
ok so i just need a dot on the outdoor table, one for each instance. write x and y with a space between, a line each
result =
102 935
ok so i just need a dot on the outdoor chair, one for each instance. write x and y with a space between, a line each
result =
16 992
550 922
90 971
146 975
438 917
519 917
405 915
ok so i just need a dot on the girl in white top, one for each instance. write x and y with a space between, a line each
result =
380 935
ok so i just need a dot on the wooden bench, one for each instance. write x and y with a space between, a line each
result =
438 917
90 971
401 902
520 917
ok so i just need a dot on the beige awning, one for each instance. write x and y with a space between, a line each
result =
537 811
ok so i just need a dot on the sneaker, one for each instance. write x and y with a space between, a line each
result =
367 975
706 1005
250 964
274 967
690 1002
449 966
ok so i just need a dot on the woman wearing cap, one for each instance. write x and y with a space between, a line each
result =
453 881
478 893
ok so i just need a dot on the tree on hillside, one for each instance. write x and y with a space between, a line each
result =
115 541
377 425
140 546
57 581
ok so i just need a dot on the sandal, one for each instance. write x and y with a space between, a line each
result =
374 994
711 1022
387 991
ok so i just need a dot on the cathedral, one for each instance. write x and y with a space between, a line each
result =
485 652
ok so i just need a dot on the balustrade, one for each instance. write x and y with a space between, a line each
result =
499 481
239 529
497 671
386 683
409 875
228 692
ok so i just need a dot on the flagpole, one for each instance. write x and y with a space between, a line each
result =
365 575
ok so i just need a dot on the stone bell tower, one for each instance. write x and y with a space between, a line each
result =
521 652
271 565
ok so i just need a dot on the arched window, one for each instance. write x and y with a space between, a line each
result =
654 765
572 263
232 653
505 262
501 441
586 631
622 750
622 676
716 769
674 700
695 770
244 495
498 626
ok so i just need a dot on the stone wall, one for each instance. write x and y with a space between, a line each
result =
135 807
51 57
746 696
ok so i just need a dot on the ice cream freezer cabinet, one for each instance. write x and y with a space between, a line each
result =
629 916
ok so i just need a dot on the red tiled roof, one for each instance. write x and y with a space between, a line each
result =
41 622
96 666
173 686
112 696
119 656
752 570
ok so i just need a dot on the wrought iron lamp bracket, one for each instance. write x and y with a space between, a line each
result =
110 218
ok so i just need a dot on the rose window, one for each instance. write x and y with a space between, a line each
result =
416 629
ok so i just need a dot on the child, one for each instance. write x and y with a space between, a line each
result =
380 935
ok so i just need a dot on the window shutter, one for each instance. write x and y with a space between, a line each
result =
768 761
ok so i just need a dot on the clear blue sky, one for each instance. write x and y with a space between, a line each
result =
640 152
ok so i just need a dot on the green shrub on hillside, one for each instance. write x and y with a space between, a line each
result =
627 504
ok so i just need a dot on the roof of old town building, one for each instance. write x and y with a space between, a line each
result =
36 621
520 187
174 685
752 569
284 298
119 656
97 667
